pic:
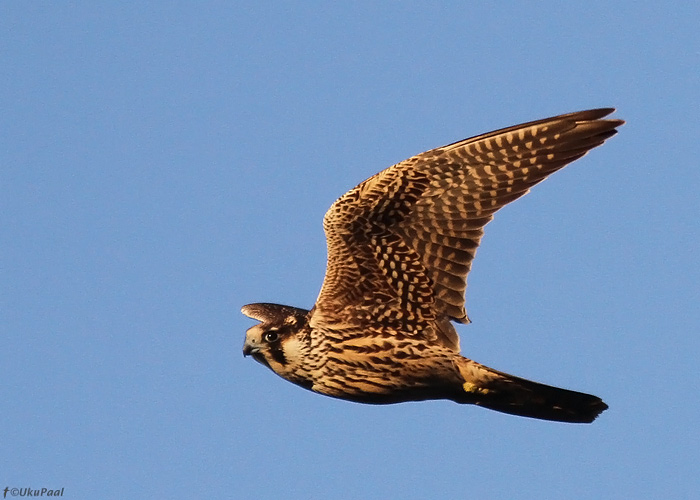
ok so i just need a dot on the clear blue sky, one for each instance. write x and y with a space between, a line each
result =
164 163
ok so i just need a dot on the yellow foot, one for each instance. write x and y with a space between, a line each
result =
472 388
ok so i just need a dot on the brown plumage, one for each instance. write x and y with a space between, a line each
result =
400 246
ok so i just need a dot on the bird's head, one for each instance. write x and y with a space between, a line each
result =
280 341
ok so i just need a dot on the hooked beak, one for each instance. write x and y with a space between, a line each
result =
249 349
253 344
254 350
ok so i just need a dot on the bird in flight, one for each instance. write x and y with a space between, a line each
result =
400 247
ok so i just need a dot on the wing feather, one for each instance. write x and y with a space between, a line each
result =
401 244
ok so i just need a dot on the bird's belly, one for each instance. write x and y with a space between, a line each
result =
387 378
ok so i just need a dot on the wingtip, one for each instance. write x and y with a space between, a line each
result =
266 312
600 113
606 111
257 311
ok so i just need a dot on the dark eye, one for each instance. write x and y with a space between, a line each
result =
271 337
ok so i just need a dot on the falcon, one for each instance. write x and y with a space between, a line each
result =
400 247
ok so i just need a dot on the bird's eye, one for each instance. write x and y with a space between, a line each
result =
271 337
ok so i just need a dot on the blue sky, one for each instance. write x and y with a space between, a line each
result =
164 163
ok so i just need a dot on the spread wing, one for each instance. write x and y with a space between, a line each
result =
400 244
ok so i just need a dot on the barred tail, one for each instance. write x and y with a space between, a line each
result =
506 393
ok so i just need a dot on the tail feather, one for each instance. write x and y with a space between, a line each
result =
506 393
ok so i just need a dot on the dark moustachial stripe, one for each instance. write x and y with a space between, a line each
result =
277 353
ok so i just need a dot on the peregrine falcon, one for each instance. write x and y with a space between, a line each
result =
400 246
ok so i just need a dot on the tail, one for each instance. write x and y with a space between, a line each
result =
499 391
